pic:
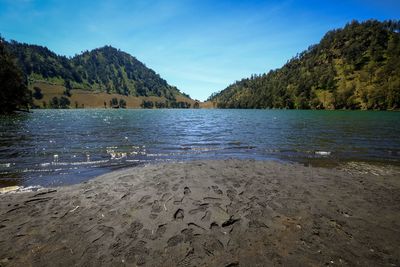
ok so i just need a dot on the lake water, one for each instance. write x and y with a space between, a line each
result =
54 147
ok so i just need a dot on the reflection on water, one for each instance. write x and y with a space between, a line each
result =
52 147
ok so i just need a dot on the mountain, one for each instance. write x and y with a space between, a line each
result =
357 67
106 71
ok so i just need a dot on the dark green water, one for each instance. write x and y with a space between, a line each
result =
53 147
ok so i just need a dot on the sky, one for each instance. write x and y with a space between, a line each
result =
200 46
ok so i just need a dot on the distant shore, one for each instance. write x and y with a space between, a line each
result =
209 213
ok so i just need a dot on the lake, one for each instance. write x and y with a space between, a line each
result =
58 147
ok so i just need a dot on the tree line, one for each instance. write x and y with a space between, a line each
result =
166 104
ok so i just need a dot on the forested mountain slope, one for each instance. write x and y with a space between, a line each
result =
104 69
357 67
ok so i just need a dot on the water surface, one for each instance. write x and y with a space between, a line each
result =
53 147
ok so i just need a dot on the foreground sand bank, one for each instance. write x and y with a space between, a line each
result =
209 213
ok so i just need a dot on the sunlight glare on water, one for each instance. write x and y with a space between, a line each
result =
54 147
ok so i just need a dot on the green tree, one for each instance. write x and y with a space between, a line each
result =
122 103
147 104
53 103
68 88
38 93
14 94
114 103
64 102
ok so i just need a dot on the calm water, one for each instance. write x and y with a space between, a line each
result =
52 147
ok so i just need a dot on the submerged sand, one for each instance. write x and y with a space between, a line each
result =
209 213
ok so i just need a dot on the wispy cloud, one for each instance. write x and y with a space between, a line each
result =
199 46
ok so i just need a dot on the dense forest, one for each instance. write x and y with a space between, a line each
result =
14 93
105 69
357 67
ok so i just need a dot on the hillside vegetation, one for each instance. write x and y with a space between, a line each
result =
14 94
104 71
357 67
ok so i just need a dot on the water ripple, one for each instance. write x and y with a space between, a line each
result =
52 147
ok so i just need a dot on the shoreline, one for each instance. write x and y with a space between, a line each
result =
208 213
371 165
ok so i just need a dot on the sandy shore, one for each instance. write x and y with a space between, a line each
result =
209 213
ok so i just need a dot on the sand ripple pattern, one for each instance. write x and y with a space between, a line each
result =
207 213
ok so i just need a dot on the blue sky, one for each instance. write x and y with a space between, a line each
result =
199 46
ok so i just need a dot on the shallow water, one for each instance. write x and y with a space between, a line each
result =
53 147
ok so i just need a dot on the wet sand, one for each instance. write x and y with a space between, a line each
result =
209 213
